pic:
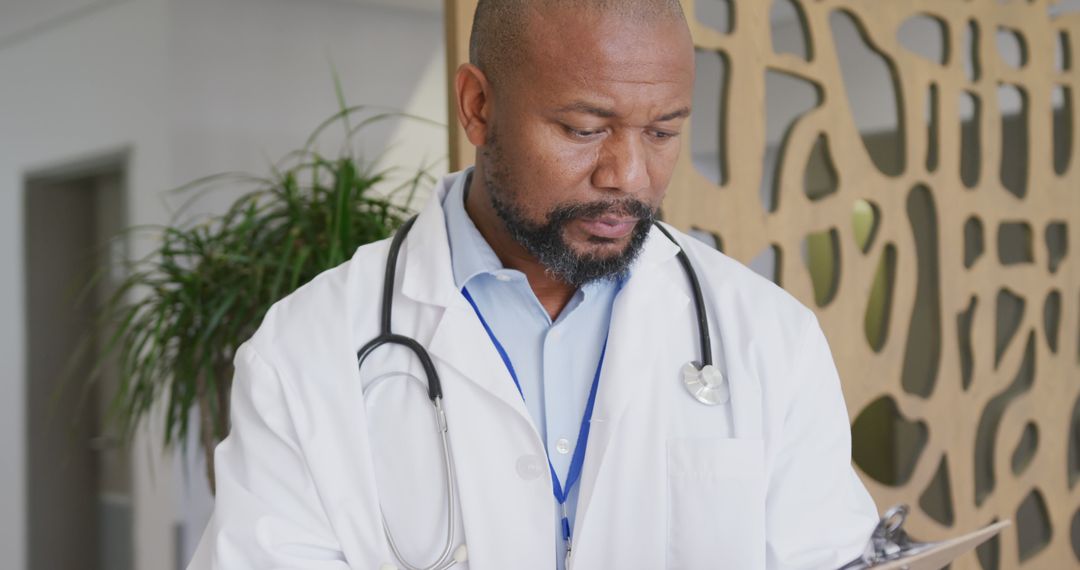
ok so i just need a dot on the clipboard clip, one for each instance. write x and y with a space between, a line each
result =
888 542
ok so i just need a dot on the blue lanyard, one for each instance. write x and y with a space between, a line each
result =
561 492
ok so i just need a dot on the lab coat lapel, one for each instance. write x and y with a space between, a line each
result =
458 340
466 358
461 342
641 315
741 372
498 536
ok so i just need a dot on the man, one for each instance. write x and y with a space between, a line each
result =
560 323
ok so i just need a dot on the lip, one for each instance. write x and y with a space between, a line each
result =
609 227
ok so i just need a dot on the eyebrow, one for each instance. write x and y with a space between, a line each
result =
680 114
589 109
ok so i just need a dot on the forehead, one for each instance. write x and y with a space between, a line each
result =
573 53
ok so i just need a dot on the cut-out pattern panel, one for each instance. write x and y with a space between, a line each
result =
953 280
991 167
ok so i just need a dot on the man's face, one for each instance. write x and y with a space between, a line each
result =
584 137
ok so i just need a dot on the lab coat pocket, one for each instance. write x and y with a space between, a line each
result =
716 504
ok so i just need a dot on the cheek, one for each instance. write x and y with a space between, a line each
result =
662 163
552 165
563 161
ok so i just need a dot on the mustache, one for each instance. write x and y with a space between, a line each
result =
624 208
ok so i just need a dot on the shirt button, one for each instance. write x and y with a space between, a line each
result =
562 446
502 277
530 467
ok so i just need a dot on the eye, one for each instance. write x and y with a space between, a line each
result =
582 133
661 135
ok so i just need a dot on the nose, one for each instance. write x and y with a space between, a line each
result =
621 164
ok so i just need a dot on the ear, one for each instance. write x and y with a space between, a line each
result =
473 102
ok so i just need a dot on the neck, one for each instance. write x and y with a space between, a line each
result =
552 293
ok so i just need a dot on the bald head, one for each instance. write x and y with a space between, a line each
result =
576 109
498 33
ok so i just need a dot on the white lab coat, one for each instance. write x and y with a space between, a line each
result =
762 482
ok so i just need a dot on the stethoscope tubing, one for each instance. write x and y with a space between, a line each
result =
699 298
448 557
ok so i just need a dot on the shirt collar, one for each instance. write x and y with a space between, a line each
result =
470 253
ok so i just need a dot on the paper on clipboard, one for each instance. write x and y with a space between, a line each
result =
937 555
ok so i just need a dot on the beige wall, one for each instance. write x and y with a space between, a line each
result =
947 394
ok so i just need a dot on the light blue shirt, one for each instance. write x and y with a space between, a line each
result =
555 361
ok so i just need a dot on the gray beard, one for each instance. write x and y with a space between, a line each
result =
545 241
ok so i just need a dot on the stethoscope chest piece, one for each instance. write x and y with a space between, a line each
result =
705 383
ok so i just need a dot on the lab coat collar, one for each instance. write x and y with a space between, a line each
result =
428 275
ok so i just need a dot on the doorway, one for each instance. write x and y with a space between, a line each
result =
79 500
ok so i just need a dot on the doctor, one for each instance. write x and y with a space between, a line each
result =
559 321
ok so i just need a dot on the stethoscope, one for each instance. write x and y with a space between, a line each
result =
703 381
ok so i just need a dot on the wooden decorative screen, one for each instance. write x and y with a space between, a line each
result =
924 198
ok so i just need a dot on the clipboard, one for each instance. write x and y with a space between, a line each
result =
936 555
890 547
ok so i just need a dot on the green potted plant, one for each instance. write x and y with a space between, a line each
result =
178 317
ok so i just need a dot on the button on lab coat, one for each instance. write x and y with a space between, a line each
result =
320 451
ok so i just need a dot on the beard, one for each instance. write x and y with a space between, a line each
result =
546 240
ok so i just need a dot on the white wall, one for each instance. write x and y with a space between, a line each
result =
250 79
188 87
68 90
